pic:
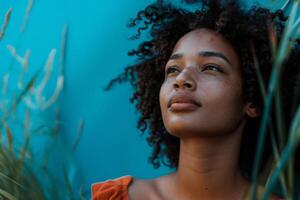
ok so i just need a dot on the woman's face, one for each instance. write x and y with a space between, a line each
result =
202 91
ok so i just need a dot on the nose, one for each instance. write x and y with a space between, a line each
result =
184 81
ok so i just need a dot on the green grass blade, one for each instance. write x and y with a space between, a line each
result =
10 179
283 52
294 136
5 23
7 195
20 96
263 92
68 184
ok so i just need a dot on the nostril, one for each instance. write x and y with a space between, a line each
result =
183 84
188 85
176 86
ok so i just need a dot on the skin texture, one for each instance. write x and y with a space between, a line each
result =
220 93
210 134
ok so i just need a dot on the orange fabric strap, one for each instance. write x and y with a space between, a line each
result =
116 189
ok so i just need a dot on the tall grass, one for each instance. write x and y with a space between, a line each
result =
21 176
283 169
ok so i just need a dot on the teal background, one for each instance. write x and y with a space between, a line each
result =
97 47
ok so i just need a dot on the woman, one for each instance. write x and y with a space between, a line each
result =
197 91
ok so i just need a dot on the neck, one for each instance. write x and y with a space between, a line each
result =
208 168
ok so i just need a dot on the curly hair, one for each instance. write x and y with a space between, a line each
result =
247 30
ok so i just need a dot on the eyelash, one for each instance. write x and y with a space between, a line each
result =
216 67
168 71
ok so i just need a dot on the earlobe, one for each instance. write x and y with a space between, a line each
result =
252 110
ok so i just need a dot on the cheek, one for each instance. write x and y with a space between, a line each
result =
163 101
224 107
163 95
223 92
224 97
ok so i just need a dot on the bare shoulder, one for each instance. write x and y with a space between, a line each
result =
141 189
146 189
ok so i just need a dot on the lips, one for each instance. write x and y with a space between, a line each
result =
183 102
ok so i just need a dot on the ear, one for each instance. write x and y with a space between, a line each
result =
252 110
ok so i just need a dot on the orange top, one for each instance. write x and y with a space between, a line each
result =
115 189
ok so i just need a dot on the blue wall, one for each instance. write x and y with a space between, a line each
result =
96 52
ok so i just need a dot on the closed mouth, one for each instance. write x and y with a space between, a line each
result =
183 100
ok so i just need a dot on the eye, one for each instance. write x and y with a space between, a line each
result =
212 67
171 69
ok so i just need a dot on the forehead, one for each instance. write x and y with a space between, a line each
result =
205 40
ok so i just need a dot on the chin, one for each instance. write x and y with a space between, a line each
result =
182 131
188 131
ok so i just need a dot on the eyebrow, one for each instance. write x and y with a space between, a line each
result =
203 54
